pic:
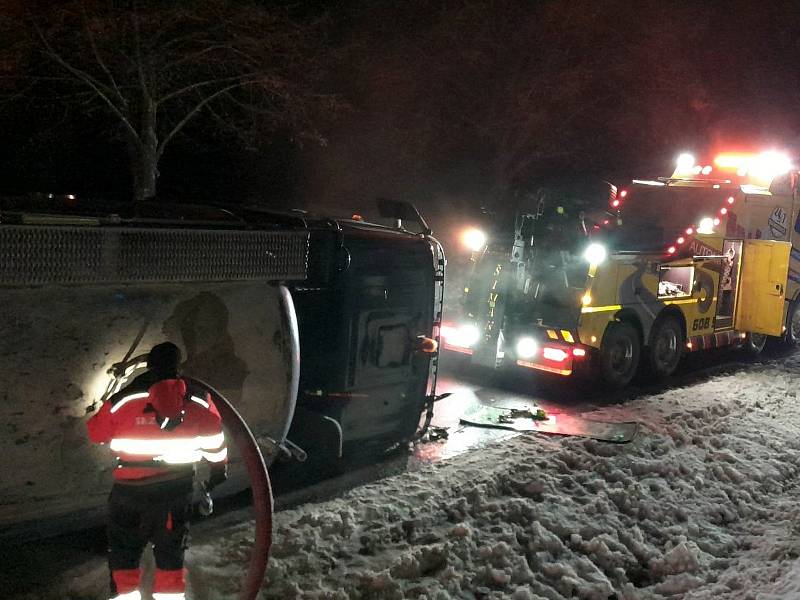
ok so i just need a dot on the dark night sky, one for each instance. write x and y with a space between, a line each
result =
458 104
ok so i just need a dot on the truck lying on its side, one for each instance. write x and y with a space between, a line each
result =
305 322
702 259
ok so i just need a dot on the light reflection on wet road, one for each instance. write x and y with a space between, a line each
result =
520 388
509 390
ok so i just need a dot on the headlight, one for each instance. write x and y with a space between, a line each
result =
474 239
527 347
468 335
595 254
706 226
685 162
465 336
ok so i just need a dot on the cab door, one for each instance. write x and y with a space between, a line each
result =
762 287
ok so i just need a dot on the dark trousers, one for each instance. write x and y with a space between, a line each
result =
138 514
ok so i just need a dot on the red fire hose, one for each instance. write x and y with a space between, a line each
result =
259 484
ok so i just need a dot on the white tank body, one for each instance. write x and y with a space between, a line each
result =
57 343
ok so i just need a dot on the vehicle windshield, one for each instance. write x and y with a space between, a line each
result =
652 218
557 270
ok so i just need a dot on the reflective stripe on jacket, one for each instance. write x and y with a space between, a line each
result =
167 428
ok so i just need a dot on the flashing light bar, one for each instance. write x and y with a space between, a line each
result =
761 167
764 165
685 162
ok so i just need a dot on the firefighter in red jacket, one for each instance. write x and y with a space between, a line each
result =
160 427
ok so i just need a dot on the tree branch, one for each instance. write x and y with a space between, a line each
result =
99 58
198 54
193 112
90 81
242 79
138 47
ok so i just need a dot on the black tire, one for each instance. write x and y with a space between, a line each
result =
754 343
792 337
620 353
666 347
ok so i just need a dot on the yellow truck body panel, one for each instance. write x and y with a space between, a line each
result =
762 287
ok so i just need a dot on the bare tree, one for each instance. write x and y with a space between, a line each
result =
150 69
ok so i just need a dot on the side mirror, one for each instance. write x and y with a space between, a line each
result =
400 211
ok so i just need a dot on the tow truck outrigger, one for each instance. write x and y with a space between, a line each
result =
684 263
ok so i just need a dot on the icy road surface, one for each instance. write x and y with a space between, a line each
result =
703 505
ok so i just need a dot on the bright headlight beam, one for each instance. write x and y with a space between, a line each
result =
595 254
463 336
685 162
474 239
706 226
527 347
469 335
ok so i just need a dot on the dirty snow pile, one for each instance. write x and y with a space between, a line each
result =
703 504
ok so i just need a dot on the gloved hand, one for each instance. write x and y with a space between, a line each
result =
218 475
206 505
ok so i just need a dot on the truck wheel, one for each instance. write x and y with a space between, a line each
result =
619 354
792 337
666 347
754 343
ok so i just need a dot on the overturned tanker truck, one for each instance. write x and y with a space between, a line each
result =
327 327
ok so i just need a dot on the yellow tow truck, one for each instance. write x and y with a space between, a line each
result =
698 260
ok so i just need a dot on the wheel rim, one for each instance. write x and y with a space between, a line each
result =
666 348
621 356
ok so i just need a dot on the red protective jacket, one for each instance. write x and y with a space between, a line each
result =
161 432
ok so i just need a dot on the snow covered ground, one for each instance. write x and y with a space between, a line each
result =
703 505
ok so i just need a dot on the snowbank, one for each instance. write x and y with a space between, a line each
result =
702 505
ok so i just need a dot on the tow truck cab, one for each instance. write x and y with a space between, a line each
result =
683 263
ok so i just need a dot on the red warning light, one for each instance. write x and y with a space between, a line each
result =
723 211
681 239
731 200
689 231
716 221
671 249
615 203
623 193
